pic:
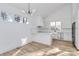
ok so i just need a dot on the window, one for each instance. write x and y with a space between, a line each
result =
56 26
52 24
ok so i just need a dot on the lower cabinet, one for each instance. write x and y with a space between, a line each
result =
44 38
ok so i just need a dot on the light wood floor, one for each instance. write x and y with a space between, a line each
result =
58 48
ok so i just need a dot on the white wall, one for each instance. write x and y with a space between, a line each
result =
11 10
75 7
65 16
13 35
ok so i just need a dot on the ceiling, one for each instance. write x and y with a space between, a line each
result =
43 9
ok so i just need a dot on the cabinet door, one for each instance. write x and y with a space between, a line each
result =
43 38
67 36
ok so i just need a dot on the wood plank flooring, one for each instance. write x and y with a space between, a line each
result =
58 48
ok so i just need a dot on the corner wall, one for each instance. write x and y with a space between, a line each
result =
13 35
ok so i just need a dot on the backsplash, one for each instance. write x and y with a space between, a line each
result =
42 29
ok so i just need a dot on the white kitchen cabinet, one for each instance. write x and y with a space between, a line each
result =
67 35
44 38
